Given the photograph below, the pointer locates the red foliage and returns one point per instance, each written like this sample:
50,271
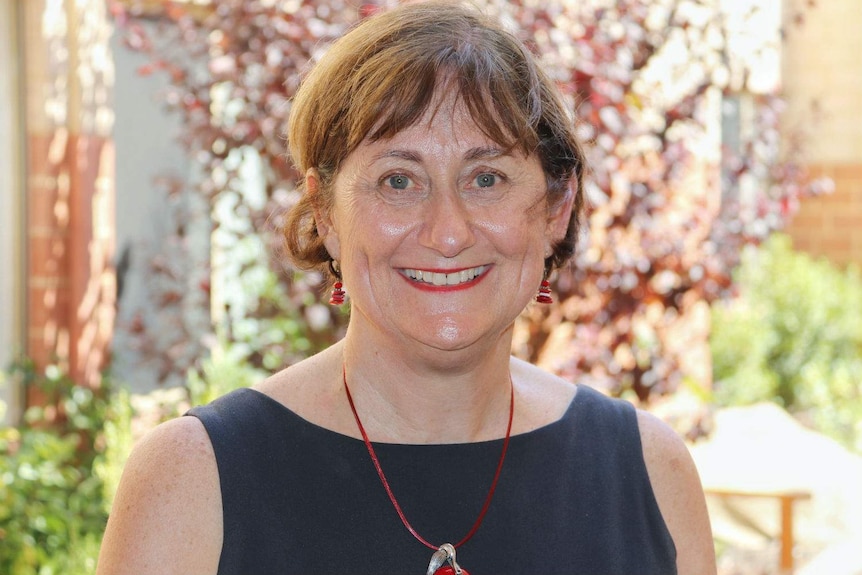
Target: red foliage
667,221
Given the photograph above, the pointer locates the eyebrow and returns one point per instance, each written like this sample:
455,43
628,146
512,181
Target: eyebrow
479,153
408,155
484,152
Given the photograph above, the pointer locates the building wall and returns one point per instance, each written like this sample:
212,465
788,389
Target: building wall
94,139
59,210
69,186
822,77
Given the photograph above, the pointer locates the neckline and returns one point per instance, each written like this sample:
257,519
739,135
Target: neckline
574,404
447,549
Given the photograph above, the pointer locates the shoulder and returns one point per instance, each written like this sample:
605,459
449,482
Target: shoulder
169,495
678,492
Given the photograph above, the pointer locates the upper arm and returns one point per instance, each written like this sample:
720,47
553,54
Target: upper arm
678,491
167,514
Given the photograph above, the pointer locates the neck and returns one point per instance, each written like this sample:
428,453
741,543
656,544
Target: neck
431,396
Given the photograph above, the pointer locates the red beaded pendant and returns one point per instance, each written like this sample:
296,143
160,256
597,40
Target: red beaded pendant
448,570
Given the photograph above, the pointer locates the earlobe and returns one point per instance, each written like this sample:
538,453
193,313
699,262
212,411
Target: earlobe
322,219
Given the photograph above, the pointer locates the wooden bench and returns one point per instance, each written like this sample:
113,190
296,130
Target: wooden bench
786,501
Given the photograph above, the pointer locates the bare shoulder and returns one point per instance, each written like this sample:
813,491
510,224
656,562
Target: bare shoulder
166,516
678,490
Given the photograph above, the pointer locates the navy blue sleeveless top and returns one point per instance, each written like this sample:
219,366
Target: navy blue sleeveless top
573,497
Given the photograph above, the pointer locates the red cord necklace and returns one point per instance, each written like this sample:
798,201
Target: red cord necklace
444,553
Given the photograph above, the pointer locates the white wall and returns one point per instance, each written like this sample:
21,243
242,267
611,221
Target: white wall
11,204
145,139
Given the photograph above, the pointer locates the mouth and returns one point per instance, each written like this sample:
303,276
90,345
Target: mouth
443,279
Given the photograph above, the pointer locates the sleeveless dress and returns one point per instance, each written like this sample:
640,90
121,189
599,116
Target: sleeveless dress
573,497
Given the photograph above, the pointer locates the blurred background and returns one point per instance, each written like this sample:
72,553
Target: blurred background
143,176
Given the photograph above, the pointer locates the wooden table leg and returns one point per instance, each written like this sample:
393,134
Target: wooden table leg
786,534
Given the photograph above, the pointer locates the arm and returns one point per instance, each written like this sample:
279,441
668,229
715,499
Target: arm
677,488
167,516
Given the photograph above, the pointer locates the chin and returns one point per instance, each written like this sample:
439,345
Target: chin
449,336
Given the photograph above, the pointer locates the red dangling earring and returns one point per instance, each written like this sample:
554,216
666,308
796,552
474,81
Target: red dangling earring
544,295
337,294
337,291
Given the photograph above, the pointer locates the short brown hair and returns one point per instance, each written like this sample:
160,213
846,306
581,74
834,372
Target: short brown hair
380,77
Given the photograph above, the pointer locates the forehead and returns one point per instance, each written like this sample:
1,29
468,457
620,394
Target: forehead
447,120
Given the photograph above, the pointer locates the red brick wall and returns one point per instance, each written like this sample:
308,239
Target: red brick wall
70,287
831,225
69,186
822,82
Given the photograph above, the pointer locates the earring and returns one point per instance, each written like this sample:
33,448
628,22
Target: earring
337,293
544,295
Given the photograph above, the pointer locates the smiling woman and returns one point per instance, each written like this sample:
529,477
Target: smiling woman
442,186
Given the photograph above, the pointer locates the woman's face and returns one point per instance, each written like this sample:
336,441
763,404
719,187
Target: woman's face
441,235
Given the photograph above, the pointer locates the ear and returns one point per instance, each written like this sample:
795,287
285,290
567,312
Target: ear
559,217
322,214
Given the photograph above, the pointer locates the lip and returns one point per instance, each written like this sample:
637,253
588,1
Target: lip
444,280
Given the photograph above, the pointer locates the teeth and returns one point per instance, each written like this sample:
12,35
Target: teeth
441,279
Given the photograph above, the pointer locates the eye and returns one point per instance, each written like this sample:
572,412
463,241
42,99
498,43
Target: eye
401,188
486,180
398,182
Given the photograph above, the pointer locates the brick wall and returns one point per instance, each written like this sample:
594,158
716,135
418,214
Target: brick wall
69,194
831,225
822,77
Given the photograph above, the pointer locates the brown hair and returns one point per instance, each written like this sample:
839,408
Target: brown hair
380,77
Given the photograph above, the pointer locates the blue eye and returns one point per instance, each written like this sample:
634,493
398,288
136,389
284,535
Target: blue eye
399,182
486,180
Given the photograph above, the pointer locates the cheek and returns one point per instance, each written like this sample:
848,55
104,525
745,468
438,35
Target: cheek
518,233
372,230
394,229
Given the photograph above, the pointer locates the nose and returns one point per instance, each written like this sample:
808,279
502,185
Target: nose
447,227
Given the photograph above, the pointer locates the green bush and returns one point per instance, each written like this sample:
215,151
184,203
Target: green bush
58,471
226,369
793,336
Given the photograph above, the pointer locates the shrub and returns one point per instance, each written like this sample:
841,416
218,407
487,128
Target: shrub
58,472
793,335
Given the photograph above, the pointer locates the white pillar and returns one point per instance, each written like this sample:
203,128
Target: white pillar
11,204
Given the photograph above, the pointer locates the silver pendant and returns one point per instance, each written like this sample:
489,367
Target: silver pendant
445,554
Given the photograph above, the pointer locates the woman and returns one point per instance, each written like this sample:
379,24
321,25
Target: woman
442,186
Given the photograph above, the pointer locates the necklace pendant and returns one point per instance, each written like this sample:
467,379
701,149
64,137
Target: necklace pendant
448,570
445,554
